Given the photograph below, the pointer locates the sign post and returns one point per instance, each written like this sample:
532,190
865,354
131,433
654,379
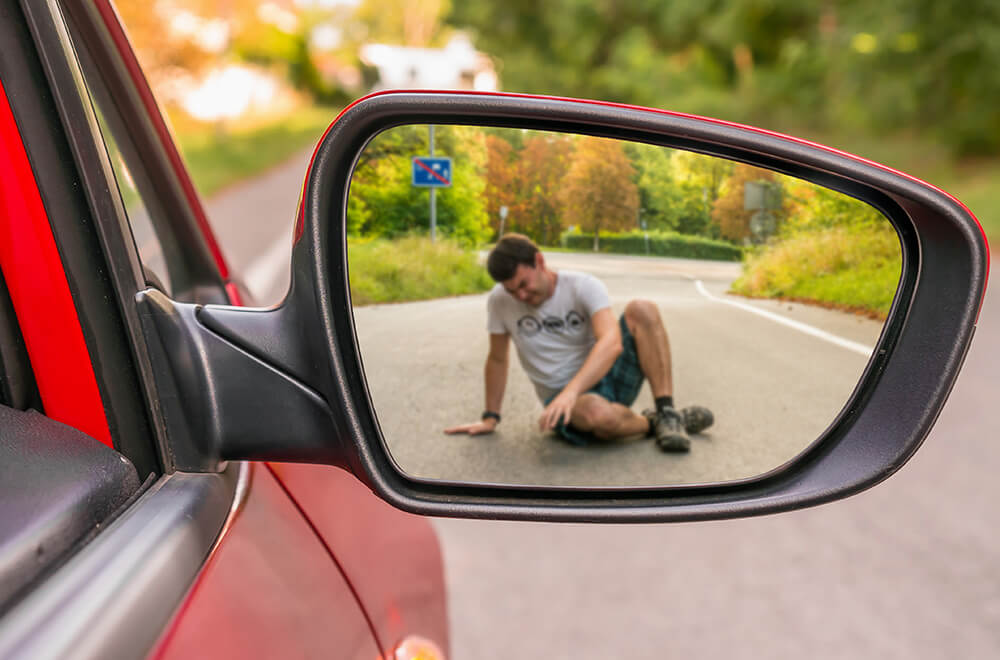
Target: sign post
433,173
763,197
434,208
503,220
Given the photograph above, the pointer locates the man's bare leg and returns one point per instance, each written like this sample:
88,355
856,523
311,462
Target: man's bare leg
653,349
652,345
606,420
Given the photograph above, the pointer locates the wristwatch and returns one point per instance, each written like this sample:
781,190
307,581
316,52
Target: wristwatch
489,414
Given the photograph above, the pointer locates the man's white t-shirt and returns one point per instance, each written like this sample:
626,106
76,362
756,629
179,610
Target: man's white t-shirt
553,339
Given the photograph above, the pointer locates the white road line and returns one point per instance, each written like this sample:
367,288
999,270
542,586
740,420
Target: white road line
262,272
797,325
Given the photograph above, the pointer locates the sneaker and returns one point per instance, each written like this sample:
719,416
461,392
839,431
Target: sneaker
668,429
696,419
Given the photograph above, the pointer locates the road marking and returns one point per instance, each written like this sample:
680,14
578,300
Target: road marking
260,275
797,325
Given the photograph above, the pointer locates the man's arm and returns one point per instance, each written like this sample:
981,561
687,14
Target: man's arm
495,372
605,351
495,377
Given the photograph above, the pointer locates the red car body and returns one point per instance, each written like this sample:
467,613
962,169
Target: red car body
308,562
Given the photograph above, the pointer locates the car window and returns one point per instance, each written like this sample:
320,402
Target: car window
159,253
147,243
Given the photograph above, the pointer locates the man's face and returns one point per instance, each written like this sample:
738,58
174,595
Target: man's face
529,285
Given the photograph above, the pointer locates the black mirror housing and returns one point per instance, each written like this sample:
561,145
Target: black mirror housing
287,383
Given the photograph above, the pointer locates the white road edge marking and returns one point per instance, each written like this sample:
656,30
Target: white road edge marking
798,325
260,275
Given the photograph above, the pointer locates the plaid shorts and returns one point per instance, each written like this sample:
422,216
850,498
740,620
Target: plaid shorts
620,385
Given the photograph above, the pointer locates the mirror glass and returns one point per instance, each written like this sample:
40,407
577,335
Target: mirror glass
738,305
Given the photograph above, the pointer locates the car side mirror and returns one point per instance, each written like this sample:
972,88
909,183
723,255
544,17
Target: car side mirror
290,383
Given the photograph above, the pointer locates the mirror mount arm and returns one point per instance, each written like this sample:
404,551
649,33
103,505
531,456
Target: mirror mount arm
219,402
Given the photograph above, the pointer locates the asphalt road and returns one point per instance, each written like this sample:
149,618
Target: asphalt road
908,569
773,388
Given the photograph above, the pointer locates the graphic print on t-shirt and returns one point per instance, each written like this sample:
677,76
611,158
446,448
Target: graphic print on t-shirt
575,320
554,338
529,326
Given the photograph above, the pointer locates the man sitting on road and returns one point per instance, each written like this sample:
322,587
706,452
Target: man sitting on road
586,368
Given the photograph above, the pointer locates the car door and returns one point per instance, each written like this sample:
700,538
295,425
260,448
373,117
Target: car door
391,559
136,557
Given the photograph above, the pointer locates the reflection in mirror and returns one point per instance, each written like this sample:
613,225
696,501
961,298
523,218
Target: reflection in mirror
694,319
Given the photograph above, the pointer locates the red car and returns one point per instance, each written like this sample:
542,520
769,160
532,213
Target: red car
201,481
265,559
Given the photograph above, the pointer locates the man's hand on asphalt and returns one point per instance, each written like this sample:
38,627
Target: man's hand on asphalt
559,409
478,428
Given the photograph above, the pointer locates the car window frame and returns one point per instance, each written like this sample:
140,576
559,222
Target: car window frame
94,27
144,562
117,591
57,135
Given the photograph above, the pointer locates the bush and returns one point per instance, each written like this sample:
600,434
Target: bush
661,244
855,268
412,268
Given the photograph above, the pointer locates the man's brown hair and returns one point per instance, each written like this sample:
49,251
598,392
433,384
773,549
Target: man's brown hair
511,250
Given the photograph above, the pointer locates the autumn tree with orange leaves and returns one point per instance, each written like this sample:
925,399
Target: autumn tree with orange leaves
543,163
501,181
598,192
526,179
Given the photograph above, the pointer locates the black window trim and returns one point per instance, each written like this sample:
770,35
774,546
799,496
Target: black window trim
40,88
50,23
117,593
94,169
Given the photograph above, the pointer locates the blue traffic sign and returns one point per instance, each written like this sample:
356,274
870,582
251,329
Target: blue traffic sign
430,172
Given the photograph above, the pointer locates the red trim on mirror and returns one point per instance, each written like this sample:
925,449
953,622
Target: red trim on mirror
43,303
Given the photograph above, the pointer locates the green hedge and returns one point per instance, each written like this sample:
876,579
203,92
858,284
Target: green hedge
661,244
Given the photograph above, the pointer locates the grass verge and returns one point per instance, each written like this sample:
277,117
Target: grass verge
218,155
414,268
857,270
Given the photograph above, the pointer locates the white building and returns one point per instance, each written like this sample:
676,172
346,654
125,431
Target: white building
456,66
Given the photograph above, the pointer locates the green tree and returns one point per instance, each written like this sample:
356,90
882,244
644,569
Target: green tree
383,202
676,188
898,65
658,195
700,179
810,208
643,51
925,64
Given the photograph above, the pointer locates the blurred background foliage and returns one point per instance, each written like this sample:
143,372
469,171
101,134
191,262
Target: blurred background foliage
798,240
549,185
923,65
910,83
384,203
